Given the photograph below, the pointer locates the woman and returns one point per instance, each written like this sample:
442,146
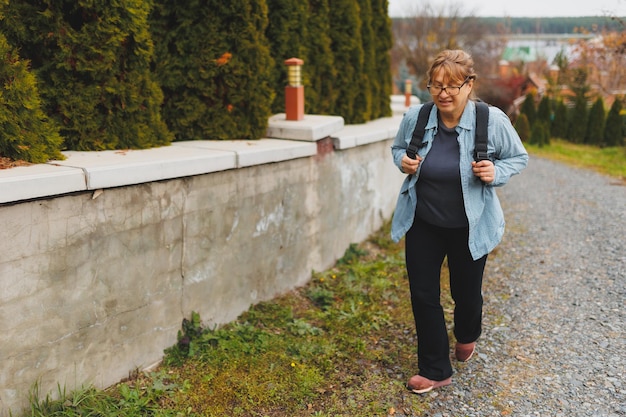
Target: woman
448,207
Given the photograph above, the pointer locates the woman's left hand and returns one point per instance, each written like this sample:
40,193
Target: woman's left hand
485,170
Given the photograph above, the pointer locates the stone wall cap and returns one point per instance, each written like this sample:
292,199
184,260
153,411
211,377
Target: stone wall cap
39,180
312,128
362,134
105,169
256,152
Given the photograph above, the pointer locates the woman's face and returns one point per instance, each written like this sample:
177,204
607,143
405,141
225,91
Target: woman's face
450,104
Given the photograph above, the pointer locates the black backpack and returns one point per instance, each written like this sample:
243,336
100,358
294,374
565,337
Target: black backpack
480,139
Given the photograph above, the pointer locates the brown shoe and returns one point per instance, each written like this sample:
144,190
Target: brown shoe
464,351
420,385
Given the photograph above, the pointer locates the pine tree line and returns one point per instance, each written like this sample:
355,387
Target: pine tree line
580,123
566,25
84,75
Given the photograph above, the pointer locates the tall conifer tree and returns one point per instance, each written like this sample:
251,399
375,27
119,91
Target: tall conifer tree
578,121
558,128
321,92
93,63
544,112
213,62
595,124
381,83
523,127
25,131
366,80
287,34
347,47
613,131
529,109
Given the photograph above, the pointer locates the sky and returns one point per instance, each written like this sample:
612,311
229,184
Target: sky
519,8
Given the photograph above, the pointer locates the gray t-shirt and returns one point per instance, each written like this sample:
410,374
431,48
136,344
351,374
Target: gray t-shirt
439,194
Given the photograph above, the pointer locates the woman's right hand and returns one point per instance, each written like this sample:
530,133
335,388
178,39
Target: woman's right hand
409,166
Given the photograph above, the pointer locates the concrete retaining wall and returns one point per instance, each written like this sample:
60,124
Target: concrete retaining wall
105,252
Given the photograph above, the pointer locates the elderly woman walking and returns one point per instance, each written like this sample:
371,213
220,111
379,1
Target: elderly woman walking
448,207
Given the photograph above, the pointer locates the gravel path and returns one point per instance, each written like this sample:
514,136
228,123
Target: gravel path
554,340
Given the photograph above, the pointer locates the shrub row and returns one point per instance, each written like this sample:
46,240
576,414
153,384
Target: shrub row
578,123
85,75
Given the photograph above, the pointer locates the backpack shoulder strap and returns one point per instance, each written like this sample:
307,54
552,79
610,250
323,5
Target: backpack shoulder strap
420,129
480,140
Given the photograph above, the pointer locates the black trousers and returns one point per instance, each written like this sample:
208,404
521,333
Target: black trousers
426,248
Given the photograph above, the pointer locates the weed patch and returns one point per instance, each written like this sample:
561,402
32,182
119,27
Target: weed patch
342,345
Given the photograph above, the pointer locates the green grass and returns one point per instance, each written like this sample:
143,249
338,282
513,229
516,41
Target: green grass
342,345
135,398
610,161
311,352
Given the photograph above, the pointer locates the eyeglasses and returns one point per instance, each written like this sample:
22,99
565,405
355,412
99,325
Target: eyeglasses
451,91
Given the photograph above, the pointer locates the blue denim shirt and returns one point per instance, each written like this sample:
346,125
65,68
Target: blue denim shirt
484,214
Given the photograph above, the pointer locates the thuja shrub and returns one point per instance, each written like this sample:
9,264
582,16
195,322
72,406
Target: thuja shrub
213,63
544,111
374,83
93,63
347,69
578,120
540,134
347,47
380,73
529,109
365,79
287,33
523,127
321,92
595,123
613,133
25,131
558,128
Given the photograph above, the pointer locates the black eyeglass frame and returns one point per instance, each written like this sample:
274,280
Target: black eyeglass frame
447,88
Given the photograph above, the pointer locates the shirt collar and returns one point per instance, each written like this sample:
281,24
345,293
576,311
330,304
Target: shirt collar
468,116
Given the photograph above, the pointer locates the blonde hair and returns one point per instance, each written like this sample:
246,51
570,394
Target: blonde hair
457,65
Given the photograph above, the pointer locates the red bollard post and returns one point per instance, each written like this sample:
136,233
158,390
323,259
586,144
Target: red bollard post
294,91
407,93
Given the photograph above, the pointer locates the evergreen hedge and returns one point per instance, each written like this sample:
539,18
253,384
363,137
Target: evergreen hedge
528,108
93,63
540,134
544,111
523,127
138,74
321,90
578,121
213,62
381,82
111,75
367,77
613,130
347,48
25,131
595,124
287,35
558,129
